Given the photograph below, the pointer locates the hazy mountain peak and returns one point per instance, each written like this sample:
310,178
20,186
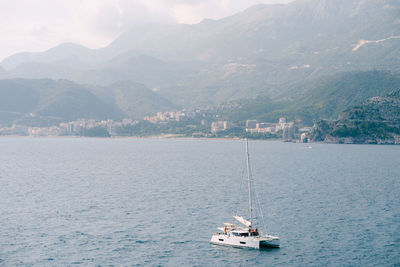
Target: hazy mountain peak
61,53
67,49
207,21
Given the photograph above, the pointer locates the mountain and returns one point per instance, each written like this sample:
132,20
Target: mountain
70,101
376,121
42,101
268,48
262,30
146,69
322,98
133,99
263,51
326,97
38,70
65,55
48,102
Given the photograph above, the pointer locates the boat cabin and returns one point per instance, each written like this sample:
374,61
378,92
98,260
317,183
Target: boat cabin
245,233
240,233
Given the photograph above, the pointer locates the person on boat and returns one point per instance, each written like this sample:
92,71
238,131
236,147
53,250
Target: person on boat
225,230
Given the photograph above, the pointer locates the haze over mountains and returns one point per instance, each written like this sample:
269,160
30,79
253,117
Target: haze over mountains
274,51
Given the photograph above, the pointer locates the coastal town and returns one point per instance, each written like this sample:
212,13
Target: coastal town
182,123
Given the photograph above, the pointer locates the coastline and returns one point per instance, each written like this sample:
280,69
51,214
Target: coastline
180,137
174,137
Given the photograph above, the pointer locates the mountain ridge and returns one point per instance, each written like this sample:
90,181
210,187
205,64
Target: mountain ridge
264,50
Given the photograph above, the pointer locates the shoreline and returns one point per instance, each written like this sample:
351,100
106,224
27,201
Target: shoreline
154,137
178,137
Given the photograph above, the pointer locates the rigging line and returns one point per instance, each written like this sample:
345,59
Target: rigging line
261,213
253,197
257,206
256,197
241,184
249,181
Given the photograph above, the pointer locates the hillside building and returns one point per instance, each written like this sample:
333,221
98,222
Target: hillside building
218,126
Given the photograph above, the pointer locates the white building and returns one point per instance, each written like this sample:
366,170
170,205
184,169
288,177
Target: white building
218,126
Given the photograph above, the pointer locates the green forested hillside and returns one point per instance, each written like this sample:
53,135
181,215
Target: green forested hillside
69,101
377,120
41,101
133,99
47,102
323,98
328,96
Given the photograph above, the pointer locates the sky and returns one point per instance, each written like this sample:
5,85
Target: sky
37,25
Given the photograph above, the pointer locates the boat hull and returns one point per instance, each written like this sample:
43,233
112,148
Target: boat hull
245,242
272,243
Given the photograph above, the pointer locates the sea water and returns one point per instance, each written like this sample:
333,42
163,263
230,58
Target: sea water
127,202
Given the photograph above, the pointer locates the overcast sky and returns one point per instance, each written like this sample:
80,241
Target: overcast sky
36,25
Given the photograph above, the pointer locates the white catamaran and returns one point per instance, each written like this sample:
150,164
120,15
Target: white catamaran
248,235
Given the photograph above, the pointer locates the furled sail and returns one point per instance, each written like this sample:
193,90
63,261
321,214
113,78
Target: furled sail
242,220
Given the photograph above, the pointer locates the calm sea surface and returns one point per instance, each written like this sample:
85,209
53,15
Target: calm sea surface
157,202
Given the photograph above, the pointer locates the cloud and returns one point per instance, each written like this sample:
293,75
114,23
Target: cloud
36,25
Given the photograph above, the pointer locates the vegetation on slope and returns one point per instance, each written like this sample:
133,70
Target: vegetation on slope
323,98
33,102
136,100
37,101
375,121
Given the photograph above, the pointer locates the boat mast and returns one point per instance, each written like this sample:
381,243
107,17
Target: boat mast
249,182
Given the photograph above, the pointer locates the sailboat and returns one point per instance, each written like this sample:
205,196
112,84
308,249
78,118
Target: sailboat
247,234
